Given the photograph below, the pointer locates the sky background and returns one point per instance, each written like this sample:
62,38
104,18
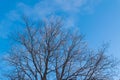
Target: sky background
99,20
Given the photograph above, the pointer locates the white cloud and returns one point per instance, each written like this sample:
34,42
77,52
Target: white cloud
69,9
47,7
71,5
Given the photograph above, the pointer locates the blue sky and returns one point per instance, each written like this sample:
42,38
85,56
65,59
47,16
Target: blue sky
99,20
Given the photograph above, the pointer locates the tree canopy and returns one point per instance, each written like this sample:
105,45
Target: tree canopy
49,51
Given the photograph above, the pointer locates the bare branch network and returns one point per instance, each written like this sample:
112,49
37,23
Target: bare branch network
50,52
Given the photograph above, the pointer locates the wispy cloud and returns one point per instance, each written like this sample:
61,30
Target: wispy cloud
69,9
46,7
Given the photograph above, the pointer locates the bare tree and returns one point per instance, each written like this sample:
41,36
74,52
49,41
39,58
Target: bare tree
49,52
